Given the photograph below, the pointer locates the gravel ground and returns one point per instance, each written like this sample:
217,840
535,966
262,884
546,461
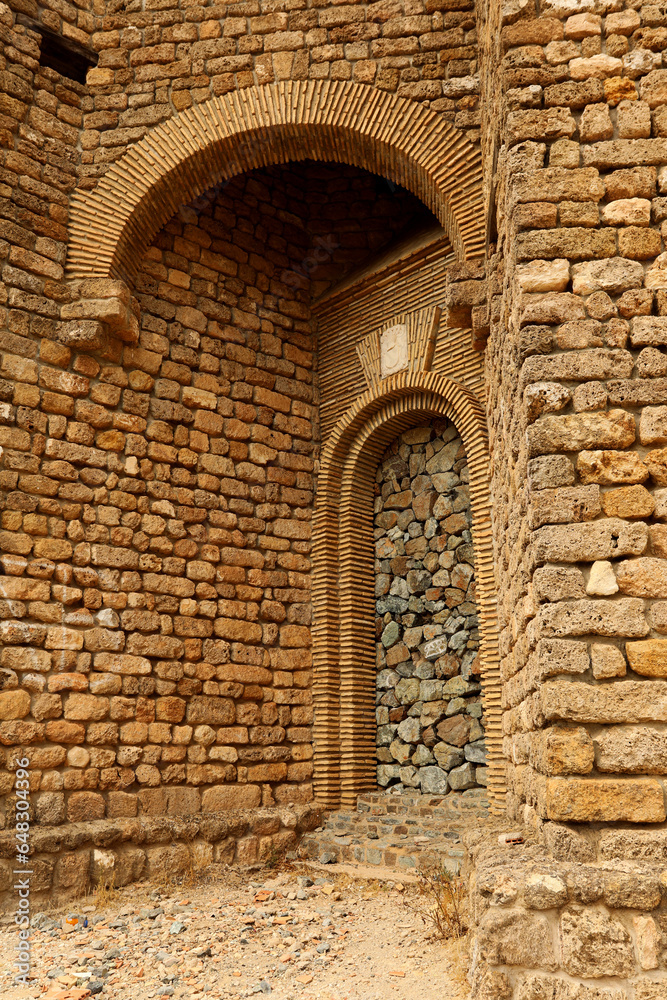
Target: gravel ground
296,933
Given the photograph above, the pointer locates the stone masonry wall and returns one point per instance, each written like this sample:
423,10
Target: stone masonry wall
576,399
578,918
156,509
153,63
430,734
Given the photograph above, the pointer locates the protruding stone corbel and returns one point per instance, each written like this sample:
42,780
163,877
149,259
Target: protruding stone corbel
100,309
466,300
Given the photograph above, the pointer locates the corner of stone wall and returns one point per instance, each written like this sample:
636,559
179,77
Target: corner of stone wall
568,914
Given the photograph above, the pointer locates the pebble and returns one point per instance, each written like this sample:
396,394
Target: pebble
240,939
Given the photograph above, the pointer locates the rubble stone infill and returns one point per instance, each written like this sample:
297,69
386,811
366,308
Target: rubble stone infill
430,729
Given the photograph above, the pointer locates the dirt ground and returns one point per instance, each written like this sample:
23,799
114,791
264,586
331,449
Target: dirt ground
299,933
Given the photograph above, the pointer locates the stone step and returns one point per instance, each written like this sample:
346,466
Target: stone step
388,852
398,831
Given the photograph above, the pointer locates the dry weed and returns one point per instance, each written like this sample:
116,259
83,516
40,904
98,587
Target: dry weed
440,900
106,893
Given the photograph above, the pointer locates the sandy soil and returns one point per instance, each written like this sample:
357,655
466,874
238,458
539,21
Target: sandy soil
239,934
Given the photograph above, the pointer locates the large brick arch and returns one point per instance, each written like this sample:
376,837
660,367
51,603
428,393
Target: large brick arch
343,562
111,226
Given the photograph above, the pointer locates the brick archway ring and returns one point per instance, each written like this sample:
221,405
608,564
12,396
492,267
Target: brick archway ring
343,589
334,121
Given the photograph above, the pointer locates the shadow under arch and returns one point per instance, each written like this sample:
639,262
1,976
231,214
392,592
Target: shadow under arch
343,579
334,121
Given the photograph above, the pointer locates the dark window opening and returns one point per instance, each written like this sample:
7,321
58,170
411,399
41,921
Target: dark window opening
63,55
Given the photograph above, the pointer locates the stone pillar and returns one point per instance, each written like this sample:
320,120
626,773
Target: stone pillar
576,147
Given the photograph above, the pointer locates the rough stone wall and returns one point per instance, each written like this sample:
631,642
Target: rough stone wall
156,511
155,63
430,734
571,920
575,382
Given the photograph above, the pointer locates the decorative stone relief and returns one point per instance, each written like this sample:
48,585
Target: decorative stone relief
394,355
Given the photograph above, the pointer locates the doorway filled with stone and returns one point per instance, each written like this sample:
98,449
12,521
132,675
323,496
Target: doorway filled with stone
430,724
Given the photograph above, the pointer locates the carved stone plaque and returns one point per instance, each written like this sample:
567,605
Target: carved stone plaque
394,355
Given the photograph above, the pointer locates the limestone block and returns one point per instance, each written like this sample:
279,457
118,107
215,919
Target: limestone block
657,616
628,502
539,987
648,940
542,891
545,397
601,579
558,750
627,212
643,577
607,661
634,120
589,395
557,583
210,710
564,505
648,658
50,808
596,123
596,800
72,871
221,798
14,704
552,123
649,331
561,656
433,781
597,363
561,183
544,275
490,984
631,750
610,467
622,22
656,274
598,67
574,432
653,425
514,937
653,88
85,806
658,536
620,702
603,539
548,471
656,463
595,944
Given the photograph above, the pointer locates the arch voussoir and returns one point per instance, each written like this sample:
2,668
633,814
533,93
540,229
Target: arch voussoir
111,226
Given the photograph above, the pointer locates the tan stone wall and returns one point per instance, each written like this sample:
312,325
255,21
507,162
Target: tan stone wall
574,376
152,64
156,515
568,919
